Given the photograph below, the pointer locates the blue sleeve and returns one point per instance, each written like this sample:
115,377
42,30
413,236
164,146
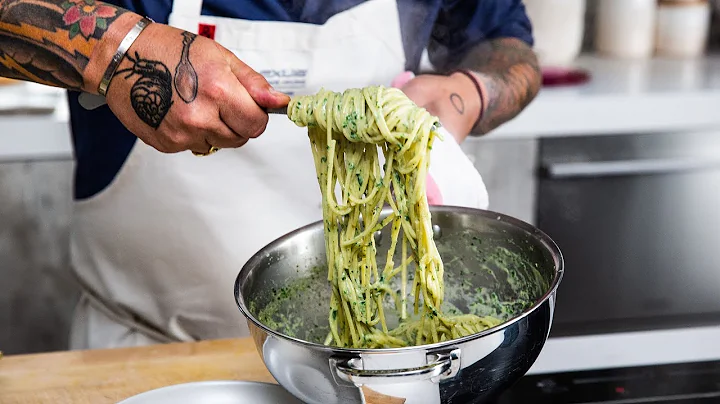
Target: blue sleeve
463,24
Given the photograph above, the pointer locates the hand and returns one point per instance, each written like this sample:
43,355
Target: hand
453,99
177,91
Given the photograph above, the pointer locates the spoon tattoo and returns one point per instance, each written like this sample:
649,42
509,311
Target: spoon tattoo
186,80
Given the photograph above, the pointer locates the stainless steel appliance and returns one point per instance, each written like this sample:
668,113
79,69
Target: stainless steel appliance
684,383
636,218
638,316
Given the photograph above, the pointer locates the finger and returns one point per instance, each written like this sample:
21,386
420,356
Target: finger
204,148
225,138
209,144
240,113
259,89
199,143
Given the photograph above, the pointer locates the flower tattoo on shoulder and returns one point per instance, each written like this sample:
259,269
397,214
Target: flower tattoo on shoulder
85,16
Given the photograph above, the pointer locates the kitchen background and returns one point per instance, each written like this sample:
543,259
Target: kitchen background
574,151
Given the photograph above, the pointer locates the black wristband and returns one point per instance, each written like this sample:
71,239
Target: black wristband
481,92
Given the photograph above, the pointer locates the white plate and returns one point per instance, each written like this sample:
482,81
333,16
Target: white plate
215,392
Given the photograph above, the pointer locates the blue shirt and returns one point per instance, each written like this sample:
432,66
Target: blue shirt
448,28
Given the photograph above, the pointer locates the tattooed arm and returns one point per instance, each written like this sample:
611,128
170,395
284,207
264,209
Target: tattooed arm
52,41
173,90
509,71
493,39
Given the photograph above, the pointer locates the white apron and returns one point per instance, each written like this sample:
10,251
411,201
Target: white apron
158,250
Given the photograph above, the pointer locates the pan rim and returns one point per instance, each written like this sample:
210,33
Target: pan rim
542,237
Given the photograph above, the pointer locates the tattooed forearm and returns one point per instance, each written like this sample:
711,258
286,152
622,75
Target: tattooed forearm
510,72
151,95
186,80
50,41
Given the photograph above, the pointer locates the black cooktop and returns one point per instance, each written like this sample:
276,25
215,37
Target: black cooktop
686,383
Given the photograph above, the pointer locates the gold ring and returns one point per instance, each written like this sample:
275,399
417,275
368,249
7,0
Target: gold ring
212,150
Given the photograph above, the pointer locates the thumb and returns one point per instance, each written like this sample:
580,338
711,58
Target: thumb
259,89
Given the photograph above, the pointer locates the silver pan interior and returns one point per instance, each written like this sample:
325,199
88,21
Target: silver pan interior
494,265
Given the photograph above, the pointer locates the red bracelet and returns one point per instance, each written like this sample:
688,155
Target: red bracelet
481,92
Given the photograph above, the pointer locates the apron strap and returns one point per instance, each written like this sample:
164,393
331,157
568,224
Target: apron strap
124,317
187,8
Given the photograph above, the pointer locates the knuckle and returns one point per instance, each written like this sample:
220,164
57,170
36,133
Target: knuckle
221,136
239,141
215,90
259,126
236,142
223,133
195,120
258,81
173,137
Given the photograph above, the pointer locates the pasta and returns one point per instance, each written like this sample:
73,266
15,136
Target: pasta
348,132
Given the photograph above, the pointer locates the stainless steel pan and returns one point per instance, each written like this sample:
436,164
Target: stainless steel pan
494,264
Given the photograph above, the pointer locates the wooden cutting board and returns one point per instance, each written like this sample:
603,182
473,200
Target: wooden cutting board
4,81
108,376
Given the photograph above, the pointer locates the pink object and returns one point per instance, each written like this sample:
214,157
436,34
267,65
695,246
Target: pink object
434,196
433,191
400,80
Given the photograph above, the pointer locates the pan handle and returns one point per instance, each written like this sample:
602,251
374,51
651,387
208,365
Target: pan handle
440,366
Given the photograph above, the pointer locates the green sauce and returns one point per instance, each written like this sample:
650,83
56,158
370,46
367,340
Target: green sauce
485,275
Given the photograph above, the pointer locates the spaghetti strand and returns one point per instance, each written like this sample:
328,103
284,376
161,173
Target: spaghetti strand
350,132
